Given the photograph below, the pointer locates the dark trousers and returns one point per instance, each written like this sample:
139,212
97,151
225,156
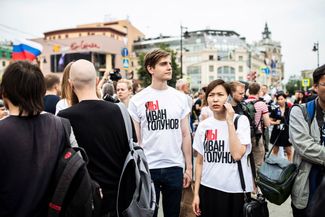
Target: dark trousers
168,181
298,212
221,204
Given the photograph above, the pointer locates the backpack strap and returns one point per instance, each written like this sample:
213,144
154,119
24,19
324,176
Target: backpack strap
73,165
127,122
67,131
65,180
252,163
308,110
310,107
240,169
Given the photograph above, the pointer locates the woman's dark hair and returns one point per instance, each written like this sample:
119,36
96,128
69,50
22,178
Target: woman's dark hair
24,85
215,83
280,93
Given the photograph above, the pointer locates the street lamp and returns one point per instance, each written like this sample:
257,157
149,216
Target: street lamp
316,48
181,57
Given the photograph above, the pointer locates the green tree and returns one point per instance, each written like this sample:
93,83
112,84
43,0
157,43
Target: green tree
145,78
293,85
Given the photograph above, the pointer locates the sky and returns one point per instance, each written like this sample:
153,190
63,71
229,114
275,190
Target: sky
296,24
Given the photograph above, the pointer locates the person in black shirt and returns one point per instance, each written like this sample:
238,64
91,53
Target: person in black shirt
53,90
30,143
99,128
237,95
280,121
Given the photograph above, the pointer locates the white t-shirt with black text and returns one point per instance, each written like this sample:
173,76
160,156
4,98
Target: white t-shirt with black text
159,113
220,170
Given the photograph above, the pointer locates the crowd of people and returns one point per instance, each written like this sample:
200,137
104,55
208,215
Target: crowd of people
187,139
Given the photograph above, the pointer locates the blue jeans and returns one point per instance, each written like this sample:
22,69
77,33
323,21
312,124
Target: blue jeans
168,181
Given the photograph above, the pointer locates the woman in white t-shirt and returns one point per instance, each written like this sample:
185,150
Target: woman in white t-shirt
218,190
205,112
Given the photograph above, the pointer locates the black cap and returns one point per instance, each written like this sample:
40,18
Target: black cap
317,74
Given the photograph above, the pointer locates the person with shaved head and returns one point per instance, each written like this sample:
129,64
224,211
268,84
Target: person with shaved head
99,129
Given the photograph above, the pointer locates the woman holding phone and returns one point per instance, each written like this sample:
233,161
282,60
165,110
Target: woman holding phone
218,191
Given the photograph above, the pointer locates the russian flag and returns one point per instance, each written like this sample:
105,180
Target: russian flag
26,50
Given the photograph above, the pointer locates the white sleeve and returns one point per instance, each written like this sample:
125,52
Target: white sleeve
204,111
59,106
132,108
243,132
186,108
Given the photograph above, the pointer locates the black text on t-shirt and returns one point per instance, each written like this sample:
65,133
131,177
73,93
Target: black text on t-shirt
214,149
157,118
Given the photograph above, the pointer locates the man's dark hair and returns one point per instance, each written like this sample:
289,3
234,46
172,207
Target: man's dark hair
254,88
23,84
51,80
215,83
153,57
318,73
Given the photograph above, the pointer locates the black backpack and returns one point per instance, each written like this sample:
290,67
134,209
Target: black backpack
74,193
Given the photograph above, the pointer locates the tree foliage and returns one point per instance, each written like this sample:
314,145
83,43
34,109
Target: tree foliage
145,78
293,85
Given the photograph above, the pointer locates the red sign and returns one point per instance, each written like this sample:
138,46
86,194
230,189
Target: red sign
83,45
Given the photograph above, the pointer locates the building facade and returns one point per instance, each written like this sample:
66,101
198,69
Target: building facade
211,54
100,43
5,55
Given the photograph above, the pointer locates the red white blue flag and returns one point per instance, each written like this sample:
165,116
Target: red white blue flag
26,50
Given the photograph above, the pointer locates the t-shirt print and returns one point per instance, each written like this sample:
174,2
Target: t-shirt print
219,169
157,117
214,149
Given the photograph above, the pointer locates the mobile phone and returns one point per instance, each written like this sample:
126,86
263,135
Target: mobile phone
229,98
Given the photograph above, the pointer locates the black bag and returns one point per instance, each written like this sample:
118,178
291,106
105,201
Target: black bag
256,207
75,194
252,207
276,177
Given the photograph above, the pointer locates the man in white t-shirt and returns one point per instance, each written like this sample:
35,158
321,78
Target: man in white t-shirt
160,115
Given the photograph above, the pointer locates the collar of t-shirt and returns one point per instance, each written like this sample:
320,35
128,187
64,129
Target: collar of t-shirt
252,97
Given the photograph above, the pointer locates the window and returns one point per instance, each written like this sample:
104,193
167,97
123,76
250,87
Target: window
66,36
227,73
59,37
211,78
210,57
3,63
240,58
80,34
240,69
211,68
194,72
